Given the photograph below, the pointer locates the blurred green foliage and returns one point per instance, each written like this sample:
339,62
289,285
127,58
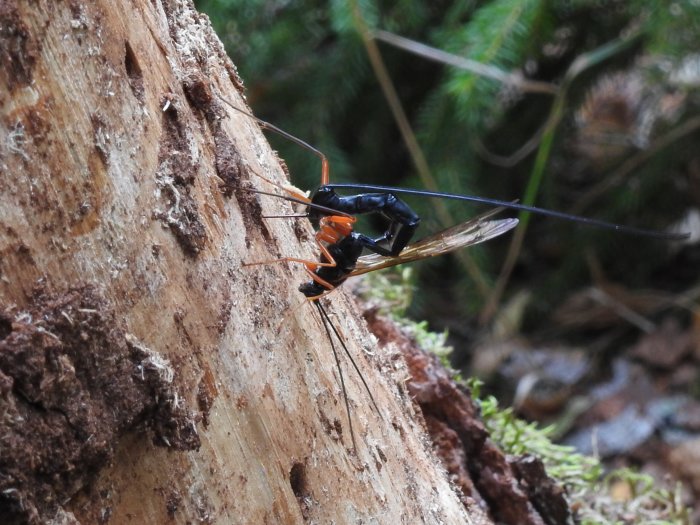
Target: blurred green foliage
306,70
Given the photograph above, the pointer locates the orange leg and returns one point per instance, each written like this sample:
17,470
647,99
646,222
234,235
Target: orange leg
309,264
327,234
319,280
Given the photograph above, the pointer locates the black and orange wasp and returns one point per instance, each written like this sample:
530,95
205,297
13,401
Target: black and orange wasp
342,248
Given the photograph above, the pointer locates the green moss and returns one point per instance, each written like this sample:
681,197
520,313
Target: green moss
620,497
623,496
516,436
391,292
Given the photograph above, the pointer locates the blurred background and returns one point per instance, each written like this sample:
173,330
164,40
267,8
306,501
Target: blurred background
579,106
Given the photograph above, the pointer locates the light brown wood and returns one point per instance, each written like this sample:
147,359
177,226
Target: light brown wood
96,128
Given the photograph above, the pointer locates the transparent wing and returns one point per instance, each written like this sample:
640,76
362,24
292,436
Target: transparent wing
474,231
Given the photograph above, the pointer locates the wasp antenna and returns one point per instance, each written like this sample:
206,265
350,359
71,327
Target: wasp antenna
325,166
630,230
294,216
329,211
326,321
347,352
291,197
289,189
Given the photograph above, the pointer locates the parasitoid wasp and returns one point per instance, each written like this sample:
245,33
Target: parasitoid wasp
342,248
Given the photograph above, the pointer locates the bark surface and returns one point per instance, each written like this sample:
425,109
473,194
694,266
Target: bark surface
146,374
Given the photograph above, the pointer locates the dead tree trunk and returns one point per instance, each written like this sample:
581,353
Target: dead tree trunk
146,375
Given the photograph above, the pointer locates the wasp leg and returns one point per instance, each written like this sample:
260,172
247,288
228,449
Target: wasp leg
329,260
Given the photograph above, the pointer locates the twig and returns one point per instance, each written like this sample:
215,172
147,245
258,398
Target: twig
478,68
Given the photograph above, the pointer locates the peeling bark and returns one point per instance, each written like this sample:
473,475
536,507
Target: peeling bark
512,490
